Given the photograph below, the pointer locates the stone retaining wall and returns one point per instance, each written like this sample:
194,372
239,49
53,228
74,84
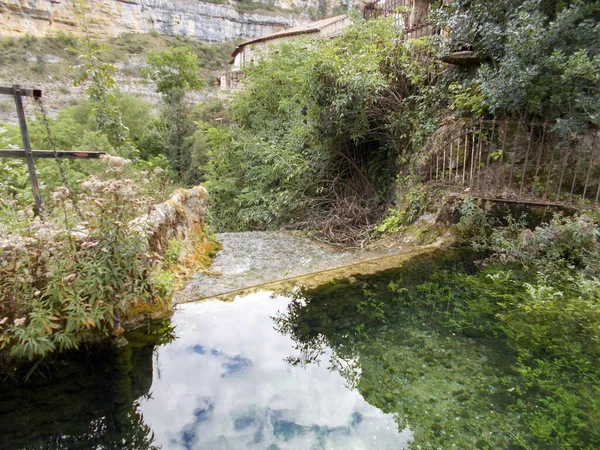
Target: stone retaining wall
180,217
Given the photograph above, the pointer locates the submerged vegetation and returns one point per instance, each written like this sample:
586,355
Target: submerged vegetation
333,137
531,302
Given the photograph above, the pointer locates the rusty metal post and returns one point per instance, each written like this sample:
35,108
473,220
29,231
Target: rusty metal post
514,153
590,166
575,169
444,166
480,151
564,168
27,147
539,158
457,175
473,155
490,146
549,176
524,174
450,164
465,156
430,169
501,162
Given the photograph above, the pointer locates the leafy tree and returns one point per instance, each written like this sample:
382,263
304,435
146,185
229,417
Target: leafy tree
97,73
174,69
542,58
321,127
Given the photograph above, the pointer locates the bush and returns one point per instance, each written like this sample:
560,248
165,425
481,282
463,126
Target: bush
321,130
70,279
541,57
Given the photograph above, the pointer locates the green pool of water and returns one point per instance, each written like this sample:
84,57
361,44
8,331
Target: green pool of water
340,367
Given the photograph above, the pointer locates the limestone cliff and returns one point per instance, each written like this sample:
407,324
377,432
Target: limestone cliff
207,22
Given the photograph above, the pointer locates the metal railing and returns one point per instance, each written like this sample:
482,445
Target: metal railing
403,14
516,160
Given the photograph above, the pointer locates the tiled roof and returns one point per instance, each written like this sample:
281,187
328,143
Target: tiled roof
307,28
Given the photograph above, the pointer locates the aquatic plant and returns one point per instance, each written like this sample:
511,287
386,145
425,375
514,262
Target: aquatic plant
536,310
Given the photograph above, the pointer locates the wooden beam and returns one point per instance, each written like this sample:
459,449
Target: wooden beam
36,93
11,153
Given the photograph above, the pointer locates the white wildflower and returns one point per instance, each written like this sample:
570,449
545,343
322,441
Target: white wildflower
69,278
60,194
92,184
115,162
90,244
19,322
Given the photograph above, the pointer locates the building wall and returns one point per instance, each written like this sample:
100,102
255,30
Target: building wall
251,53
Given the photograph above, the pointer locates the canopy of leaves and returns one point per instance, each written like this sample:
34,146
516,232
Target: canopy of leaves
321,124
542,58
175,68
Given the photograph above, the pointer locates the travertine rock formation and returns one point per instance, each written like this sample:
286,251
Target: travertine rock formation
207,22
180,217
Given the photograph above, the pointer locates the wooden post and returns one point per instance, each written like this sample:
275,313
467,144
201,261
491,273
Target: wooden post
29,154
27,147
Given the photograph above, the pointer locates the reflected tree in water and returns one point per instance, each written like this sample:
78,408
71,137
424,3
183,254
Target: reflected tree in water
89,401
447,388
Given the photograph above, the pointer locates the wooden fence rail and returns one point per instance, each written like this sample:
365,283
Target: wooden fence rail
516,160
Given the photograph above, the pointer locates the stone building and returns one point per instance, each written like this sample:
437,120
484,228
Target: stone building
250,51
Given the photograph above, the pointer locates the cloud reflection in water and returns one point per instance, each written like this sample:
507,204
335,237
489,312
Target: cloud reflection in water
224,384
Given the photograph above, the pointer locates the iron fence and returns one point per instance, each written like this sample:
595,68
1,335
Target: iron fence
516,160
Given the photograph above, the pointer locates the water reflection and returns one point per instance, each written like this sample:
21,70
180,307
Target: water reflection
451,390
225,384
89,402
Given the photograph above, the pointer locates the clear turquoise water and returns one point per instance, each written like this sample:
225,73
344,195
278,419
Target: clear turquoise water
223,384
333,368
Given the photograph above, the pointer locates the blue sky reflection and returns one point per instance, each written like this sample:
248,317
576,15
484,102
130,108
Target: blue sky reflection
224,384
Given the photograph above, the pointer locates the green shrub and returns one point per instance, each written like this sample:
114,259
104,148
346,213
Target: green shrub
173,251
68,280
474,222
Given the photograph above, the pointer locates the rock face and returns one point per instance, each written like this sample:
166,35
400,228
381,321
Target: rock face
207,22
180,217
